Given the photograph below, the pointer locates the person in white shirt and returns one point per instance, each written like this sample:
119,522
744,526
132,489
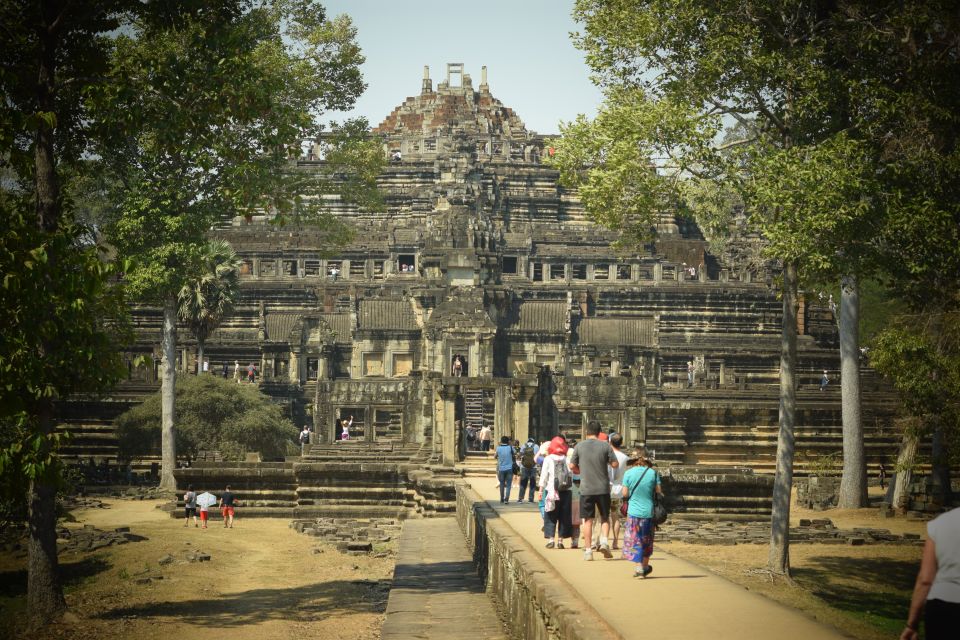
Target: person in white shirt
616,485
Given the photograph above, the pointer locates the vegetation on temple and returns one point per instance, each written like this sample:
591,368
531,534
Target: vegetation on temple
213,414
794,111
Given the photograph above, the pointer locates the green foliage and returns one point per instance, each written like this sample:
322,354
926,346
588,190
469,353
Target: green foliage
197,122
206,300
212,414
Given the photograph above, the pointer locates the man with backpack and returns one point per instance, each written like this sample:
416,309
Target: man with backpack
505,462
528,468
590,459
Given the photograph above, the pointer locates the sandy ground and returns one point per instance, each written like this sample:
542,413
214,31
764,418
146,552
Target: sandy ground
263,581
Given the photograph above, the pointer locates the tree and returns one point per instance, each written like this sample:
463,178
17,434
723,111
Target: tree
208,298
56,294
213,414
774,77
206,103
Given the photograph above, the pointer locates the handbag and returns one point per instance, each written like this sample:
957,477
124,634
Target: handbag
660,512
624,503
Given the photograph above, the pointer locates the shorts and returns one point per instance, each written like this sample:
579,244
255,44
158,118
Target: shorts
204,514
590,503
189,511
226,511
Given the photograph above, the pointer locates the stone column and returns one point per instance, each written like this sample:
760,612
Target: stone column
293,370
522,395
448,394
324,371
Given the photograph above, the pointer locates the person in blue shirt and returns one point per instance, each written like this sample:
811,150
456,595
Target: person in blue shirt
505,461
640,482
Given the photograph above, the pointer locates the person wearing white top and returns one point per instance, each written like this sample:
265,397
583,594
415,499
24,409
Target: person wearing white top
937,590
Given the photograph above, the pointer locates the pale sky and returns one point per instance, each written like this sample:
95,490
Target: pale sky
532,65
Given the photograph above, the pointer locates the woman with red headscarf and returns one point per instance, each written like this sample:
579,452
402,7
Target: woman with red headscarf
556,482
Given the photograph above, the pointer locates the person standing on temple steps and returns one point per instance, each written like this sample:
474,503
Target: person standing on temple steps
824,381
486,435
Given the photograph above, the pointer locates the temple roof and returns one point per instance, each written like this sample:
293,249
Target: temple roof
614,332
541,317
387,314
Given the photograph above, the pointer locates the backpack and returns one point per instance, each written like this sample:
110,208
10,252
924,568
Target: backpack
562,478
304,436
528,457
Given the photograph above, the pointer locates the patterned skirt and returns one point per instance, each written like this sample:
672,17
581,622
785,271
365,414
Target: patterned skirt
638,538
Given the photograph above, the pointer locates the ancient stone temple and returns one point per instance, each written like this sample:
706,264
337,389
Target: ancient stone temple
484,295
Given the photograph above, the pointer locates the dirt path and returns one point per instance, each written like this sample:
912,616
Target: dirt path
263,580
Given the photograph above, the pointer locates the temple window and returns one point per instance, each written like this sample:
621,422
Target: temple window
289,267
578,271
510,264
402,364
601,272
623,272
311,267
378,269
268,267
358,269
246,267
406,263
557,272
372,364
538,272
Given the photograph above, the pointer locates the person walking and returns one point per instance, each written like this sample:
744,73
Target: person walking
556,482
824,381
528,469
237,375
486,435
590,460
936,594
505,462
616,486
190,507
304,438
227,504
640,482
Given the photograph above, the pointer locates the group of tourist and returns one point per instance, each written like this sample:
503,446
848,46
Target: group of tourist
194,504
591,488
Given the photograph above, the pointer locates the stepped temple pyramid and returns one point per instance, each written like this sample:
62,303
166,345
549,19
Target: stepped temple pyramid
484,295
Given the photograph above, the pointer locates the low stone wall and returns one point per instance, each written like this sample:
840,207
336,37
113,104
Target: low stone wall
535,600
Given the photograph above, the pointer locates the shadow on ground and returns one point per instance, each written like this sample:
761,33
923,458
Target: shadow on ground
839,582
308,603
14,583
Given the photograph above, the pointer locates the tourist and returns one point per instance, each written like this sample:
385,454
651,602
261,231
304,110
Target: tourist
556,483
882,473
304,437
345,428
590,459
227,504
639,485
691,371
528,469
936,594
457,366
190,507
616,485
225,372
824,381
204,514
251,372
505,461
236,371
486,435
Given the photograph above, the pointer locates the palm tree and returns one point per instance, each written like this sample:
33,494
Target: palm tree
208,298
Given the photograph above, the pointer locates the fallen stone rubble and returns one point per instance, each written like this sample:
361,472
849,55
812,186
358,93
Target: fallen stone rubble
89,538
809,531
354,536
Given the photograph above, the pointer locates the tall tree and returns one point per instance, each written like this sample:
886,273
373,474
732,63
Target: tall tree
55,293
677,74
209,103
209,297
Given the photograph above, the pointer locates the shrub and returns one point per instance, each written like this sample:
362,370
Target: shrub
212,414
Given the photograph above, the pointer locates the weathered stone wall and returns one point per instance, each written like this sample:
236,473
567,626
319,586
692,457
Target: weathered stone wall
535,600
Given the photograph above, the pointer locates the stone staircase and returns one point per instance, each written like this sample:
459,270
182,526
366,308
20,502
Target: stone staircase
473,407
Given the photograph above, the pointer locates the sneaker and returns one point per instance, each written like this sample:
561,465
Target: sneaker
588,554
560,545
647,570
605,549
551,545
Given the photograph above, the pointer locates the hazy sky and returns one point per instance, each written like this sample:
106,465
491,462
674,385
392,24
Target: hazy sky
532,66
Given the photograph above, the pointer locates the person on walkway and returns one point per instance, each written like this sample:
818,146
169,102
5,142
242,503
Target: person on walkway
190,507
505,462
528,469
486,435
640,482
590,460
227,504
556,483
204,515
616,485
824,381
936,594
236,371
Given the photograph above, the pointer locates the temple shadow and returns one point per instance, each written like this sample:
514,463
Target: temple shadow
309,603
436,577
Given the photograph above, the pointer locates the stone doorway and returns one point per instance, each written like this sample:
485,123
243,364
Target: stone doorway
357,429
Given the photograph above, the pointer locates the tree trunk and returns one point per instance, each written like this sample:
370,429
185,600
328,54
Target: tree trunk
168,381
199,357
904,469
853,484
45,602
778,560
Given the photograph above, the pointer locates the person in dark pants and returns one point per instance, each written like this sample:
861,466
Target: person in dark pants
528,468
936,594
557,494
505,462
